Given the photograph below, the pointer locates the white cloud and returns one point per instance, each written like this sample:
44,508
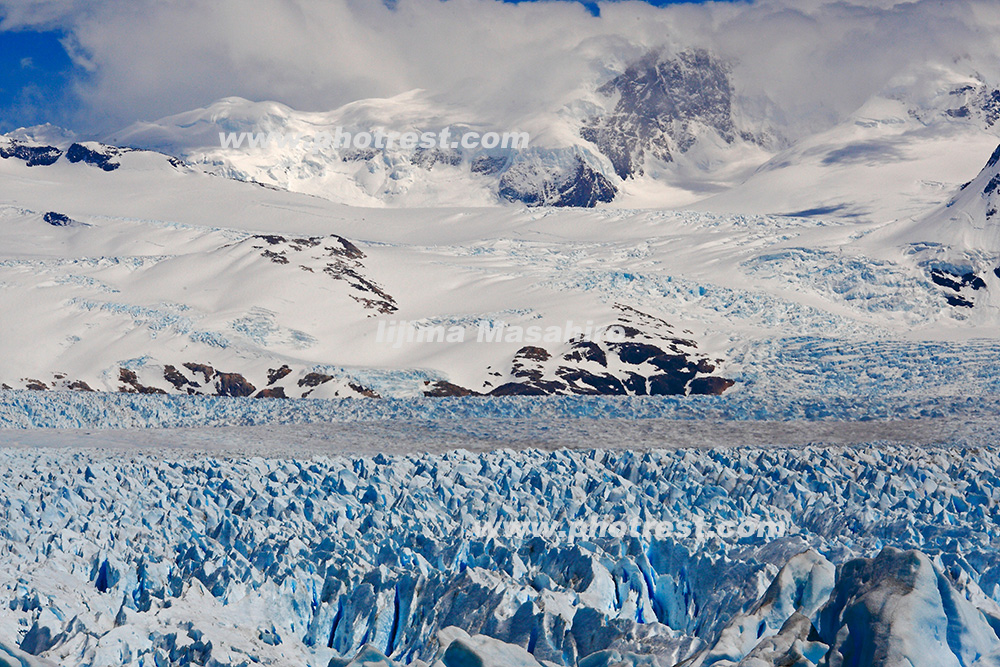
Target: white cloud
814,59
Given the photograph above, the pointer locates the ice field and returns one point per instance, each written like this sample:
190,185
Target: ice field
120,556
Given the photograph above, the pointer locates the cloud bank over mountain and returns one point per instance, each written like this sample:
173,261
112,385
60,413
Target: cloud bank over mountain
804,64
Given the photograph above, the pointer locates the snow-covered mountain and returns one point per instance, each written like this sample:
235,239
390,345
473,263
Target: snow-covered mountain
553,173
664,118
957,244
662,108
174,281
136,272
898,156
663,129
968,222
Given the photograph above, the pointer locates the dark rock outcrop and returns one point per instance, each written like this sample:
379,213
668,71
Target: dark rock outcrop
961,285
207,371
131,385
427,158
333,255
489,165
276,374
710,386
535,185
668,385
957,282
178,379
33,156
364,391
59,219
442,389
527,389
233,384
314,379
102,156
657,363
184,379
648,360
662,104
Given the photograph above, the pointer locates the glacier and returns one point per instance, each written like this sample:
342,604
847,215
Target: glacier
853,322
119,557
78,410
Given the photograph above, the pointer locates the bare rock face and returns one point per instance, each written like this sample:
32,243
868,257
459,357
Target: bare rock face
429,157
96,154
207,371
33,156
362,390
525,389
275,374
955,244
979,101
443,389
538,183
59,220
130,383
644,358
177,379
710,386
201,379
648,360
314,379
233,384
663,104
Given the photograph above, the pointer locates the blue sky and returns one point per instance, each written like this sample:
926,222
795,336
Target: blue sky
35,78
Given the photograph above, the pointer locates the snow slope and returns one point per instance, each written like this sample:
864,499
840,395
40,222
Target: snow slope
130,271
957,243
898,156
